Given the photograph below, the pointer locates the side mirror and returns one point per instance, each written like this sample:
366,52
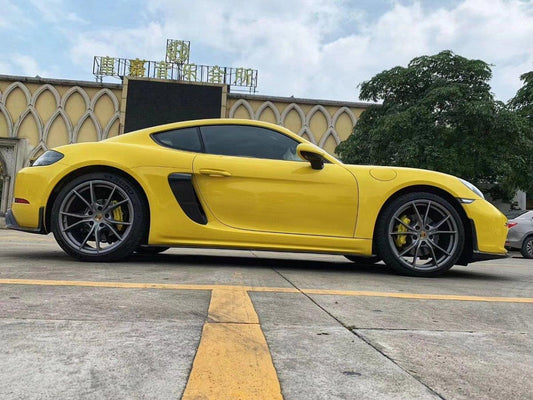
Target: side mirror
312,154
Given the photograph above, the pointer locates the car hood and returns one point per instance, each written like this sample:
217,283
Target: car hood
383,173
399,177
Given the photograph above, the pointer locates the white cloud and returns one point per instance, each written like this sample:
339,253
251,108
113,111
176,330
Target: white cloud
146,43
11,16
498,32
55,11
20,64
322,48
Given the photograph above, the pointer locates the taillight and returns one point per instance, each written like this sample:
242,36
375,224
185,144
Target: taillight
511,224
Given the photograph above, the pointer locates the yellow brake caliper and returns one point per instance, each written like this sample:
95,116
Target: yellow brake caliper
118,215
401,240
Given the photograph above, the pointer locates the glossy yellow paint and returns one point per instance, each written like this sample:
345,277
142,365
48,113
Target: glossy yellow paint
295,204
254,203
35,186
488,220
490,224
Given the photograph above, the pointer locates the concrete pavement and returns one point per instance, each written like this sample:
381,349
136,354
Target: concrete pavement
333,330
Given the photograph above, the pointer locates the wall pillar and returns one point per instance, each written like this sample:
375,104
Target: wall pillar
4,201
13,156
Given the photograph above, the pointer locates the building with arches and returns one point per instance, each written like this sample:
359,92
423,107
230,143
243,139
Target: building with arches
37,114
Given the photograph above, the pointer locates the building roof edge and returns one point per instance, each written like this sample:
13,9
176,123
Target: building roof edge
246,96
63,82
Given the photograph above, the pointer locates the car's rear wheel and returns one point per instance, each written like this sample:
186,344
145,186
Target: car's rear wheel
363,260
420,234
527,248
99,217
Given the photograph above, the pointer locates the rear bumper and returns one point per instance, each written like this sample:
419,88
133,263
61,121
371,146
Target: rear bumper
509,245
11,223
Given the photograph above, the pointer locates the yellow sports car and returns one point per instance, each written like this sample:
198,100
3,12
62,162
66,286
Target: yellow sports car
249,185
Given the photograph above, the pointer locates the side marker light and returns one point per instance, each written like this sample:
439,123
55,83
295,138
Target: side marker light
21,201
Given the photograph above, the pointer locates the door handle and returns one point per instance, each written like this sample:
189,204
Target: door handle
215,172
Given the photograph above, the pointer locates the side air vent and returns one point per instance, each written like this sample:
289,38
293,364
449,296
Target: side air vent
181,186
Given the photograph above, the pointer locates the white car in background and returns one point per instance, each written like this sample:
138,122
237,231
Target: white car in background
520,235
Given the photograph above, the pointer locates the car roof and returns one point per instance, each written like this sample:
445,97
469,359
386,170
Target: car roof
206,122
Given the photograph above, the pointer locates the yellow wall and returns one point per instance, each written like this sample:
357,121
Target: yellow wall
325,123
47,113
51,113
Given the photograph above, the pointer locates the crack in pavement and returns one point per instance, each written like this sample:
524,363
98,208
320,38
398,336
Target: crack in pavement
353,331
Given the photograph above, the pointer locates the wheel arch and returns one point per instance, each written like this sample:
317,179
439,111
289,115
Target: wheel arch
469,230
88,170
526,237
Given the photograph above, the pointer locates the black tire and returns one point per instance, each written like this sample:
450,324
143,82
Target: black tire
363,260
420,234
150,249
99,217
527,247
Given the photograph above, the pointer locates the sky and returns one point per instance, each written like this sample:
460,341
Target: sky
317,49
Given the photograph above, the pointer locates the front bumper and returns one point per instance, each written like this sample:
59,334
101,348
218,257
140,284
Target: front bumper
480,256
489,227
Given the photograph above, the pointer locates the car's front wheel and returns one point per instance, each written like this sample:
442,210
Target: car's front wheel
99,217
420,234
527,248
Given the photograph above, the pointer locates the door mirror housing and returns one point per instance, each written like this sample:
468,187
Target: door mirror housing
311,153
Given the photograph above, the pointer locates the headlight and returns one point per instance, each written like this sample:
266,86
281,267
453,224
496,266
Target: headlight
48,158
472,188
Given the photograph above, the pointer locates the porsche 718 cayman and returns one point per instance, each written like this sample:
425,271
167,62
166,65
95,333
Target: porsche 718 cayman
249,185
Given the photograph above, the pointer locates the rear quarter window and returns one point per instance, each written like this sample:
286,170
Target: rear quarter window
187,139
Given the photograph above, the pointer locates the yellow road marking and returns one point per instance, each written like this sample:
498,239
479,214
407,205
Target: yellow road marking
421,296
231,305
233,360
330,292
116,285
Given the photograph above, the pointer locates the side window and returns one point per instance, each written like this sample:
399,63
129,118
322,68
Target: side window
181,139
248,141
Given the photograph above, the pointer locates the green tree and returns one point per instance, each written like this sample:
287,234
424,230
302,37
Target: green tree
522,103
438,113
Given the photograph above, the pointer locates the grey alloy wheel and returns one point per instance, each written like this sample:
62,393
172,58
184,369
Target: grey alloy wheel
420,234
98,217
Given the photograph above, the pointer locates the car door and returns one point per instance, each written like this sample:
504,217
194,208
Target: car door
250,178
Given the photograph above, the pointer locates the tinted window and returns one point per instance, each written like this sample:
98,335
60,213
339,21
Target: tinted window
248,141
182,139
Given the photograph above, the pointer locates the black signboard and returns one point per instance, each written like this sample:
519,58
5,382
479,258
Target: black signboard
151,103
